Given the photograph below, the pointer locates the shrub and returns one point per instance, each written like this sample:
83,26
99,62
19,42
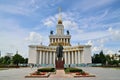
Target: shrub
46,70
73,70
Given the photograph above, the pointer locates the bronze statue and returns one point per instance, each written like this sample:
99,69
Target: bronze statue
51,32
67,32
59,51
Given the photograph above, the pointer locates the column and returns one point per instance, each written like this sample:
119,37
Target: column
50,57
37,57
68,40
40,58
78,57
64,40
55,39
53,57
82,57
46,57
75,57
68,57
51,40
43,57
65,57
58,39
72,58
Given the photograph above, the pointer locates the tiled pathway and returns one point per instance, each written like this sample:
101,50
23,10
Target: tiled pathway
60,74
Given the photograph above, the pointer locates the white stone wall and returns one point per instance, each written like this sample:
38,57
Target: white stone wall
87,54
32,55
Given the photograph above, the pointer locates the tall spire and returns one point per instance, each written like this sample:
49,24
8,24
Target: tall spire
60,16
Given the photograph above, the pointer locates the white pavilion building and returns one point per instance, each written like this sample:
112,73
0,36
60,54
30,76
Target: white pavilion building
41,54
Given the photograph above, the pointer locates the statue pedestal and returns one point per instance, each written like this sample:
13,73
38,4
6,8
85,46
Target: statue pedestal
59,64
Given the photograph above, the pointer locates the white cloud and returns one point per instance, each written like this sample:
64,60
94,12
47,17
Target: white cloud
13,9
110,52
70,24
89,43
34,38
91,4
23,7
96,49
12,36
115,34
48,23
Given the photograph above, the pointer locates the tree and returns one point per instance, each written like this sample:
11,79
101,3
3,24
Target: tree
99,58
102,58
17,58
6,60
1,60
26,60
96,58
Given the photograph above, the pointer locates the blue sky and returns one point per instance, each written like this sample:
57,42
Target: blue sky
93,22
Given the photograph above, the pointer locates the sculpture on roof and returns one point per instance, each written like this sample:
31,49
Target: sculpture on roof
51,32
68,32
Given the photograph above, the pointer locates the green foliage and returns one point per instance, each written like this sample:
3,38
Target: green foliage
26,60
104,59
5,60
114,62
46,70
99,58
18,59
72,70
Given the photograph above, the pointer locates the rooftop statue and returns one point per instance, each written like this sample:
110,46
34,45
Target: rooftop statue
67,32
51,32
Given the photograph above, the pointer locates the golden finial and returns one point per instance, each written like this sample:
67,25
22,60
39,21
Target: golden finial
60,16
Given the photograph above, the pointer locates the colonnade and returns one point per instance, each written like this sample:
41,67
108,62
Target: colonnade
45,57
70,57
65,40
73,57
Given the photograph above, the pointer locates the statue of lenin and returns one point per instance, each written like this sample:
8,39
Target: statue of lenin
59,51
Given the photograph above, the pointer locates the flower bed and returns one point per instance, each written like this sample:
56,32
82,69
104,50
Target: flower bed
78,72
41,73
38,73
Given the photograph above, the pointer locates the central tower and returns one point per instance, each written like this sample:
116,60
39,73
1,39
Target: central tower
60,37
60,27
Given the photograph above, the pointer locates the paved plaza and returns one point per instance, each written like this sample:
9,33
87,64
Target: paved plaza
101,74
